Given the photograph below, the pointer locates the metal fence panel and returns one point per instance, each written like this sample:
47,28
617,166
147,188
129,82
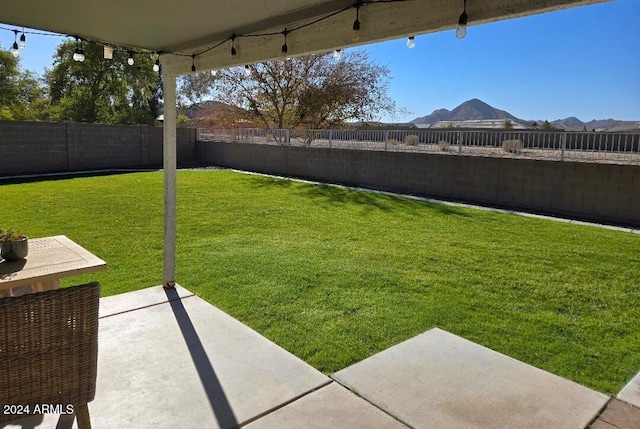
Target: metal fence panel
621,148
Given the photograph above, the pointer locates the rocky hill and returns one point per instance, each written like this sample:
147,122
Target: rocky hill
469,110
479,110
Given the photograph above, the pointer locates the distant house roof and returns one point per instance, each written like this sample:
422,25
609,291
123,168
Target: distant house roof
480,123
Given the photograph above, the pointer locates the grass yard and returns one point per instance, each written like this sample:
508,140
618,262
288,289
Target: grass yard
335,275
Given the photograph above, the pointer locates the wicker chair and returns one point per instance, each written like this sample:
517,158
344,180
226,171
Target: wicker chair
49,350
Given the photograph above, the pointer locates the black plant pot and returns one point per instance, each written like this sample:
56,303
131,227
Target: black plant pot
15,250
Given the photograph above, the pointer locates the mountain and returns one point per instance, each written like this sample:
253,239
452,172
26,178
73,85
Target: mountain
571,121
477,109
469,110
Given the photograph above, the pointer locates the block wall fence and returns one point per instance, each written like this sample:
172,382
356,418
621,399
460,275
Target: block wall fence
51,147
607,193
598,192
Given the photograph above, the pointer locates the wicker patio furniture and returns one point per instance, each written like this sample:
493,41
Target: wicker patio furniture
49,352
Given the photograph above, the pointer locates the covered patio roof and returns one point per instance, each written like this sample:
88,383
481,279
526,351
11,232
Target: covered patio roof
191,26
200,33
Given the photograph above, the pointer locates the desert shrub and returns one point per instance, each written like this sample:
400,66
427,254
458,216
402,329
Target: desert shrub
392,142
411,140
512,146
269,137
444,145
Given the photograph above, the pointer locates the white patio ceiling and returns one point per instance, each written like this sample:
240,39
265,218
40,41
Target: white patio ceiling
192,26
189,26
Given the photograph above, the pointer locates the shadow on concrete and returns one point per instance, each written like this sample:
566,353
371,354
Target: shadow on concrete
31,422
214,391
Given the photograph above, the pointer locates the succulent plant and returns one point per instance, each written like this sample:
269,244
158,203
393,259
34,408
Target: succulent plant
10,235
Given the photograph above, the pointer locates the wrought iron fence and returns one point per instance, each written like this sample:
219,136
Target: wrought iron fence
620,148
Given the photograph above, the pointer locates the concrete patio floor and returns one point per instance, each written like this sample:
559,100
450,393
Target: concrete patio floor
169,359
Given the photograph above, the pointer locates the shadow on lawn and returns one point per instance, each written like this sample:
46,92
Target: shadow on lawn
337,196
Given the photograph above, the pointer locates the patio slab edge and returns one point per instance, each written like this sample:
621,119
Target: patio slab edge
631,392
448,381
130,301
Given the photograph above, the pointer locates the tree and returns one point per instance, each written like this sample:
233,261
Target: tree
22,96
101,90
314,91
8,88
546,125
507,125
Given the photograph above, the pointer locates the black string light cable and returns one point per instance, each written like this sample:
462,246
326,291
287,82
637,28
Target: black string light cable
156,67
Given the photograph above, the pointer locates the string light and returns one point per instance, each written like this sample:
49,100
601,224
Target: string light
461,30
78,53
156,65
247,71
108,51
214,73
356,23
14,49
285,48
233,45
336,54
193,62
411,42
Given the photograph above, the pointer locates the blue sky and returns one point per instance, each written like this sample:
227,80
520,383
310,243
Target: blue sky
582,62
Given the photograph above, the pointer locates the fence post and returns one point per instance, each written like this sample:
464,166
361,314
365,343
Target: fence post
563,145
459,142
386,139
330,138
287,136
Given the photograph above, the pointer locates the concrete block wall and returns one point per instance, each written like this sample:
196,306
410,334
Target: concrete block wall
598,192
45,147
20,147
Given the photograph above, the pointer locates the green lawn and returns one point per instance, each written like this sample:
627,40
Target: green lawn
335,275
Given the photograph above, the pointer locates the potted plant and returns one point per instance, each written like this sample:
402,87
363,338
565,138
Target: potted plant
13,245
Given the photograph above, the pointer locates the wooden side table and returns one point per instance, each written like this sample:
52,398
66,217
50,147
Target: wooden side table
49,260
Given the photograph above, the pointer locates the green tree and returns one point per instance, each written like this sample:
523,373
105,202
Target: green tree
314,91
101,90
507,125
32,100
22,95
9,74
546,125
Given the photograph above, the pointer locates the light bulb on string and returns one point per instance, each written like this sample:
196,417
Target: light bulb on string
214,72
14,48
78,52
156,65
193,62
336,54
285,48
247,71
356,23
461,30
411,42
23,40
233,45
130,60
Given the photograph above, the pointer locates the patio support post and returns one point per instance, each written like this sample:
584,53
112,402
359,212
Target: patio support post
169,168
